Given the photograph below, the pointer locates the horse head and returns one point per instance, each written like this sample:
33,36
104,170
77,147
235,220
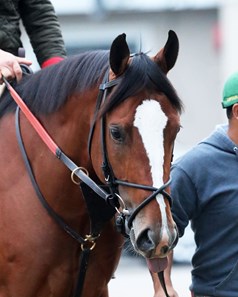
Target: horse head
138,119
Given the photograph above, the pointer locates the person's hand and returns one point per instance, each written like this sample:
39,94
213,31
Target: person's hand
172,292
10,66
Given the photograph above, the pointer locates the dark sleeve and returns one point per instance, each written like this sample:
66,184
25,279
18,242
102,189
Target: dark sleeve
184,197
43,29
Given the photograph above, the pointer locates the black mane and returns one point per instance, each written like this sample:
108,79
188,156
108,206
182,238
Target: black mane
46,90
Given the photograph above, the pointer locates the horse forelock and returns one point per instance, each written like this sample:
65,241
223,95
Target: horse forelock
48,89
142,74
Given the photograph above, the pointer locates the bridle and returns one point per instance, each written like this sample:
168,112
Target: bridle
111,196
125,218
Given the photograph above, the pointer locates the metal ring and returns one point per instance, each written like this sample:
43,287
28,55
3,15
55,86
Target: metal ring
122,205
84,246
89,239
73,173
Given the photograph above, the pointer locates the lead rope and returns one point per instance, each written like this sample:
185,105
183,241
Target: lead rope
162,282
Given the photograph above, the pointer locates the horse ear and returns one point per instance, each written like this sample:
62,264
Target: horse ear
119,55
167,56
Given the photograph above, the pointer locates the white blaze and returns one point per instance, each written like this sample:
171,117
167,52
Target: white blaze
151,121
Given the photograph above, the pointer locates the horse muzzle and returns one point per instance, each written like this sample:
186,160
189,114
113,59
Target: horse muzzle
154,243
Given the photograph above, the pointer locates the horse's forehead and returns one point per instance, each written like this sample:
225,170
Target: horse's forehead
127,109
159,115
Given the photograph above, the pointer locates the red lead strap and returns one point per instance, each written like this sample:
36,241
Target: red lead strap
31,118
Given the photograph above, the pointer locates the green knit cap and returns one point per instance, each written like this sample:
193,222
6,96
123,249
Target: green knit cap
230,91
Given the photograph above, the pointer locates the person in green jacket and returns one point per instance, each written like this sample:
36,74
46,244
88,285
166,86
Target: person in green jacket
41,24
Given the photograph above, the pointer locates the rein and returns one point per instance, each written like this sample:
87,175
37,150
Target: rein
82,241
125,218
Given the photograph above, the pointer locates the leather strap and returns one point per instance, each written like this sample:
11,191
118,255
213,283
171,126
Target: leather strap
84,257
162,282
42,199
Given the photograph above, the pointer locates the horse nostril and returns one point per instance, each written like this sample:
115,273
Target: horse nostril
164,250
144,241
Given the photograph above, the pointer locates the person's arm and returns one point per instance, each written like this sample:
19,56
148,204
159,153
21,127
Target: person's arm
158,290
10,66
184,205
43,28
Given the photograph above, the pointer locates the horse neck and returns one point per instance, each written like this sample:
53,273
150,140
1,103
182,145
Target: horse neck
69,128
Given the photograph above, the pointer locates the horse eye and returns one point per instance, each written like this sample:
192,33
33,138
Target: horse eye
116,134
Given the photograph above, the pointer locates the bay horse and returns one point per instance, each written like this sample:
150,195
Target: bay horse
115,116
